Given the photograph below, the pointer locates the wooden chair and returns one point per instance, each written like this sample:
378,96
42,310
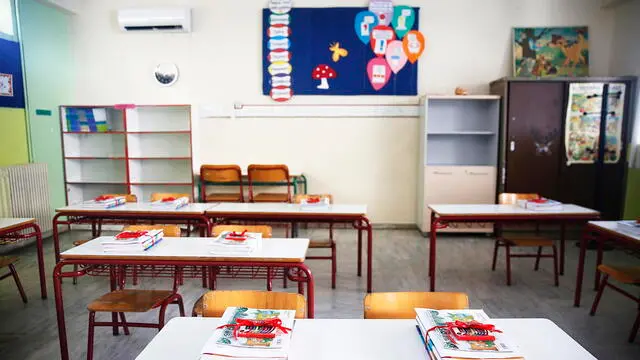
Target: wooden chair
625,275
8,262
160,196
223,175
265,175
216,302
323,243
121,301
219,229
400,305
527,241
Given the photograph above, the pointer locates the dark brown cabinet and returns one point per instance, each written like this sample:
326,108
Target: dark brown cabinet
533,156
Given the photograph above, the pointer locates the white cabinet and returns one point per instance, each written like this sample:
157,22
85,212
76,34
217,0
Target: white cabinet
458,155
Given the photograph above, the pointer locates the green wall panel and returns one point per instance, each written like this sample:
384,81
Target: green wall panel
13,137
632,204
46,48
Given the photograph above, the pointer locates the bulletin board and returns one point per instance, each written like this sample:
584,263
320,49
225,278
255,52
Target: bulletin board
313,31
11,88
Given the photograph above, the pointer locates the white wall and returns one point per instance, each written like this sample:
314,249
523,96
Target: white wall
369,161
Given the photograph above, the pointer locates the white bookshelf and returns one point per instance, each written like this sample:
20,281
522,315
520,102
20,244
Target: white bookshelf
140,150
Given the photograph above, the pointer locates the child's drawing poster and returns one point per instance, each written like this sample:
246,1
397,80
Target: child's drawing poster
548,52
615,113
582,128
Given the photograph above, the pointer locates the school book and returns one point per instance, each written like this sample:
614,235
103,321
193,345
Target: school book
313,203
246,333
435,325
631,227
105,202
132,241
171,202
240,243
541,204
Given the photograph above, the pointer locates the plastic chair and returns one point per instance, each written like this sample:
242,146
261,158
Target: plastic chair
8,262
268,175
224,175
526,241
401,305
625,275
216,302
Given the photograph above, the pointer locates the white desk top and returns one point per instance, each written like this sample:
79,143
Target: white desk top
140,207
9,223
505,210
612,226
284,208
315,339
196,249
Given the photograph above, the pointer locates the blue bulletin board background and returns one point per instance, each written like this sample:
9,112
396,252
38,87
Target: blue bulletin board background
312,32
10,63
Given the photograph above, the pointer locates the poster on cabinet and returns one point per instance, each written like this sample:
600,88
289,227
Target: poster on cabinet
582,126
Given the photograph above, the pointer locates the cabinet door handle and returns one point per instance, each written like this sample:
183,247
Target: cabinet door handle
442,173
476,173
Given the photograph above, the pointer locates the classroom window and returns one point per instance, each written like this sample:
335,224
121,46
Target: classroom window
6,18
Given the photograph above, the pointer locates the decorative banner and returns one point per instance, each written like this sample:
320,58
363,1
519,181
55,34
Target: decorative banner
275,19
280,67
365,22
413,45
396,58
279,55
323,73
615,114
383,10
379,73
403,19
279,43
582,126
280,6
278,30
380,38
281,93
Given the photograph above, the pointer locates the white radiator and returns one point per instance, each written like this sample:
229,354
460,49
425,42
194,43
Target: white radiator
24,192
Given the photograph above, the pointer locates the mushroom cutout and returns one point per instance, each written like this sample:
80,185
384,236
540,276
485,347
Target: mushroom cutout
323,72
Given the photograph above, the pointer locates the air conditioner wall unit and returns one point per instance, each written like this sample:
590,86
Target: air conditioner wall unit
176,19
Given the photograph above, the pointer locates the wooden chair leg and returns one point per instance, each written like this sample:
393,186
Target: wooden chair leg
556,281
596,301
495,255
125,327
508,252
14,273
537,266
636,326
92,319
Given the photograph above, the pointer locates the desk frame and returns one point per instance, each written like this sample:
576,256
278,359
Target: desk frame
12,232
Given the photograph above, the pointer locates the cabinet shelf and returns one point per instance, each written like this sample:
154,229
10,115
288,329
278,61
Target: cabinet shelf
160,132
451,133
94,132
94,157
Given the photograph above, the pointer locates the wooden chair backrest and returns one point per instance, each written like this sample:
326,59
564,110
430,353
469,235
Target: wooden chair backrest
268,173
127,197
221,173
265,230
169,230
298,198
512,198
160,196
400,305
214,303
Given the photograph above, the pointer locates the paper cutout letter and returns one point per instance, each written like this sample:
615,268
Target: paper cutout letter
365,22
380,38
395,56
413,45
403,19
383,10
379,73
280,6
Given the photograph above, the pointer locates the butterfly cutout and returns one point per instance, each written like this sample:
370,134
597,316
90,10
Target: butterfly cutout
337,51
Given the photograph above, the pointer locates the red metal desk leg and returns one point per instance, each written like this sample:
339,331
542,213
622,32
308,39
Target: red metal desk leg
562,241
39,247
580,271
359,223
600,242
369,256
56,238
310,289
57,290
432,252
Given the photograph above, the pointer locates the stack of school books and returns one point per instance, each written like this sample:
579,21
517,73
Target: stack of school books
246,333
463,334
105,202
132,241
313,203
236,243
631,227
171,203
541,204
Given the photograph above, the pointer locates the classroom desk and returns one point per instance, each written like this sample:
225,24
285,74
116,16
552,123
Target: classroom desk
443,214
600,231
293,213
10,229
278,253
320,339
294,178
75,214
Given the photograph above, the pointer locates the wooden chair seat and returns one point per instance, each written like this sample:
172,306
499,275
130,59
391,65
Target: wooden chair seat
224,197
623,274
271,197
214,303
130,300
401,305
7,260
528,241
321,243
80,242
